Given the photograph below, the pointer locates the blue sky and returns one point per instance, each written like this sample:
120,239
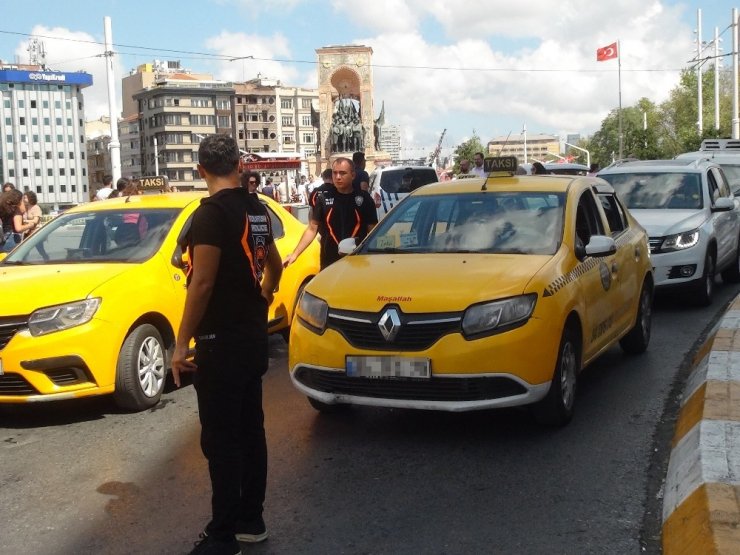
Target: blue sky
482,65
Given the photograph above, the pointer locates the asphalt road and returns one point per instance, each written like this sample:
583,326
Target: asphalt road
84,478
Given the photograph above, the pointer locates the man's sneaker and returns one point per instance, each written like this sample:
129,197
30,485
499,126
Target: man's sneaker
207,545
251,532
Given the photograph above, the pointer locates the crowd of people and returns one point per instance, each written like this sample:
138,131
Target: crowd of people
20,215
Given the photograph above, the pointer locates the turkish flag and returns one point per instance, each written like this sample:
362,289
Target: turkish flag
606,53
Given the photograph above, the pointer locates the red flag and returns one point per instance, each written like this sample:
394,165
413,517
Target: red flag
606,53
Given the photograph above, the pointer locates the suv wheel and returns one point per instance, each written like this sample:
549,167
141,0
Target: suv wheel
705,286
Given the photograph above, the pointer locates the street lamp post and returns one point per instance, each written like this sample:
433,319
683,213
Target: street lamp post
588,154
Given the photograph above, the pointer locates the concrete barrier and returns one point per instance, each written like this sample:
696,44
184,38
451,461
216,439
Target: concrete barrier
701,503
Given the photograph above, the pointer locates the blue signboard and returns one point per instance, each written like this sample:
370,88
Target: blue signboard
45,77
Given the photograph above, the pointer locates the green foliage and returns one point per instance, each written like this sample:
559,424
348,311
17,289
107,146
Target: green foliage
467,149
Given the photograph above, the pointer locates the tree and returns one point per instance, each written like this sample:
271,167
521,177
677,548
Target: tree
467,149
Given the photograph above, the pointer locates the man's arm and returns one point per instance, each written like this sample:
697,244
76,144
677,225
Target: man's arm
273,271
312,229
196,300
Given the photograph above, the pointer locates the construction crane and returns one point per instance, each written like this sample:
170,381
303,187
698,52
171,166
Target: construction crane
435,153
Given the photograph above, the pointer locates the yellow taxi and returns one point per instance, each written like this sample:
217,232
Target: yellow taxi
92,302
476,294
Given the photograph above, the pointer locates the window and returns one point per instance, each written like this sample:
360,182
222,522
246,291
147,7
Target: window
255,134
25,172
47,121
60,155
61,171
11,172
35,138
44,104
306,121
34,121
286,102
60,138
62,188
23,138
6,103
69,121
49,172
58,121
38,172
22,120
224,121
305,103
11,155
288,138
7,121
21,104
588,220
71,155
51,188
288,120
47,138
39,189
33,104
74,188
70,138
241,135
9,138
308,137
48,154
37,155
614,213
24,155
222,104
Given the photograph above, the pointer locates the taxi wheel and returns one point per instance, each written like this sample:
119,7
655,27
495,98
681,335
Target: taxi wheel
637,339
325,407
705,286
556,409
140,372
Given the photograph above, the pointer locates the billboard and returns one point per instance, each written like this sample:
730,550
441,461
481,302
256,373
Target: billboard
46,77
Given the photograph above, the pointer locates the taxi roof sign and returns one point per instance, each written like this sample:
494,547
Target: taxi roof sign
507,164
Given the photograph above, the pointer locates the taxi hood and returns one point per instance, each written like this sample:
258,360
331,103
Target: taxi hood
662,222
424,283
37,286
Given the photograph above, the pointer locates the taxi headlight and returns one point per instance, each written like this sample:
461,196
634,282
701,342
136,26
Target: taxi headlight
313,311
62,317
498,315
680,241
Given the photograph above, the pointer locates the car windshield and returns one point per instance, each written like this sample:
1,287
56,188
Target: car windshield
406,180
485,222
657,190
97,236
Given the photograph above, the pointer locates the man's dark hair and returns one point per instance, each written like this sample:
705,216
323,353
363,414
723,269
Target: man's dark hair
593,167
326,175
218,155
121,183
107,180
358,157
8,186
343,159
480,154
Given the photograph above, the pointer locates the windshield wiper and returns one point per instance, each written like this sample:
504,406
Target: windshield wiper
387,250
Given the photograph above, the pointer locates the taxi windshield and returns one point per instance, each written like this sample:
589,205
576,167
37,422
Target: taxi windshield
658,190
487,222
97,237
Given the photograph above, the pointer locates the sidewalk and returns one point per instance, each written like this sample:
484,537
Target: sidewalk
701,505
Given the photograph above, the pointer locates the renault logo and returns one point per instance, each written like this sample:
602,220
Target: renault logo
389,324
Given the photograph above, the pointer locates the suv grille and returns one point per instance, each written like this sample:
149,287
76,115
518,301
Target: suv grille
9,325
655,243
434,389
417,331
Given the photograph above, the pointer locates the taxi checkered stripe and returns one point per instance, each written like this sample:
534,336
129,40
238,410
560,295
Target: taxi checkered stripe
583,267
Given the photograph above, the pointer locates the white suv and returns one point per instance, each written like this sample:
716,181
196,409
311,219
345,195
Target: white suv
726,153
691,217
388,186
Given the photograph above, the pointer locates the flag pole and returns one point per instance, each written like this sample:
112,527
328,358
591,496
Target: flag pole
619,73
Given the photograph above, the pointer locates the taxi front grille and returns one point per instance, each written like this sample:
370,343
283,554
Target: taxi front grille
433,389
15,384
9,326
416,331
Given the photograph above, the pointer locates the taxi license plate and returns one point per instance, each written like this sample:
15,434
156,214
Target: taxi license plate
384,367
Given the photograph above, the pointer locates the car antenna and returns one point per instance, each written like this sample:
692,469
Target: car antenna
500,150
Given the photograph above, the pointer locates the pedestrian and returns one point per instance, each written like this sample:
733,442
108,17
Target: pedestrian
120,186
11,216
478,167
250,180
362,179
593,169
8,186
464,166
326,176
339,212
107,188
234,269
269,189
32,212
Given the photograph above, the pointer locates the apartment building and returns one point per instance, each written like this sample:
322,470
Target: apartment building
42,142
538,147
390,141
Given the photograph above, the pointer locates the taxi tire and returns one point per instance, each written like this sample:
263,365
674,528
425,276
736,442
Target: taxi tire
556,409
128,394
637,339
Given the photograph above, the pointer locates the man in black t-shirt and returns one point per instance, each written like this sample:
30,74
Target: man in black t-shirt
326,176
234,268
339,212
361,181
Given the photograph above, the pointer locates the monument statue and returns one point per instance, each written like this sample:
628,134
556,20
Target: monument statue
378,126
347,133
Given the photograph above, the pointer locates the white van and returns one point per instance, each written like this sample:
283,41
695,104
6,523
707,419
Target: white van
388,186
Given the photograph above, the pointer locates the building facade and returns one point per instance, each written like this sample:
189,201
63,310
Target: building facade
42,146
390,142
128,133
538,147
174,115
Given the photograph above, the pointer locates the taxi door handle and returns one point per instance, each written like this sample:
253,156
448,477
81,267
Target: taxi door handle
615,267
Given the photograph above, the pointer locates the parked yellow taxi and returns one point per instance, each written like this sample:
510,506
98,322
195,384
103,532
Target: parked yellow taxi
475,294
92,302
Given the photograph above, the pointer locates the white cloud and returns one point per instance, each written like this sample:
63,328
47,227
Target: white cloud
516,48
71,51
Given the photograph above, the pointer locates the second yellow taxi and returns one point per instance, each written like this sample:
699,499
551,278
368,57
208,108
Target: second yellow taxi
475,294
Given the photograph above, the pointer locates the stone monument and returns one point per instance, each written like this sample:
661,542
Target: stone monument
346,118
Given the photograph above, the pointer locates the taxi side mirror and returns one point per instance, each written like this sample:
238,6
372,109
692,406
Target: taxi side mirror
180,259
347,246
601,245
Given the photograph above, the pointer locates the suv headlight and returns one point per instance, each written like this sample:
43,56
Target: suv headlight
680,241
62,317
498,315
313,311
